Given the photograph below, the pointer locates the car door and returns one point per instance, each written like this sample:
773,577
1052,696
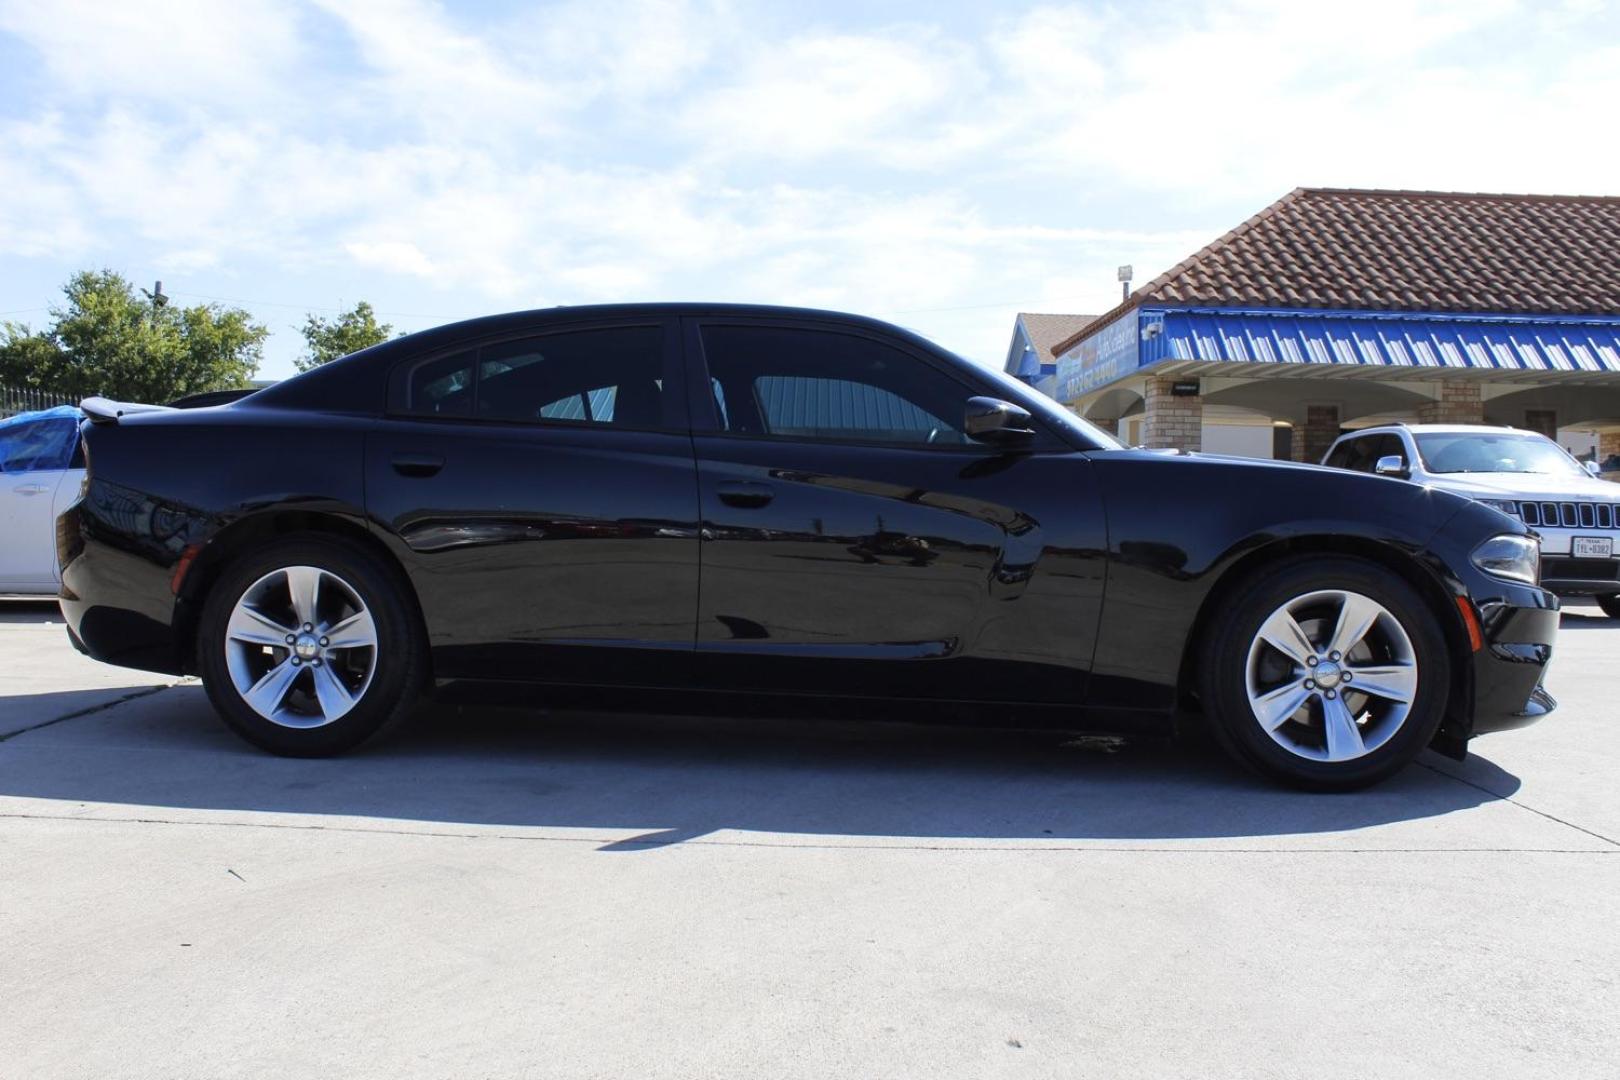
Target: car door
541,493
34,460
856,542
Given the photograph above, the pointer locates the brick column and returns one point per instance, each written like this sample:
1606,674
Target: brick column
1459,403
1170,422
1312,439
1608,445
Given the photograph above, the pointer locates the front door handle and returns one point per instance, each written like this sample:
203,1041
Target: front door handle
417,465
745,494
30,489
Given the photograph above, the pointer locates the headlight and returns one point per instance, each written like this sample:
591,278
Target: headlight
1517,558
1507,506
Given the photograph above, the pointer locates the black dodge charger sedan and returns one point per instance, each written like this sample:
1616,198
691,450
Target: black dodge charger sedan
690,504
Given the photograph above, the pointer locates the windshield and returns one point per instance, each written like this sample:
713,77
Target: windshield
1476,452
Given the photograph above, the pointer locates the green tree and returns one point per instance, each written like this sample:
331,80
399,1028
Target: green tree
328,339
109,340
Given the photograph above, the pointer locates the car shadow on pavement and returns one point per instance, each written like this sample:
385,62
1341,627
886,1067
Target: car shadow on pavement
668,779
29,611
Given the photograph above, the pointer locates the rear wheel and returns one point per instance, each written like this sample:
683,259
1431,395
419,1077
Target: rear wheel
1326,673
1610,605
307,648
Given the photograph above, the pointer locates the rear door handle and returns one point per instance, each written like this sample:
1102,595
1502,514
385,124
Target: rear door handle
745,494
417,465
30,489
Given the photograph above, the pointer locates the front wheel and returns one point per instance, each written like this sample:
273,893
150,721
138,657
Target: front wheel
1326,673
1610,605
308,647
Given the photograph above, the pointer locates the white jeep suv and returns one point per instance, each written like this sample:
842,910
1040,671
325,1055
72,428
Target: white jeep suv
1520,473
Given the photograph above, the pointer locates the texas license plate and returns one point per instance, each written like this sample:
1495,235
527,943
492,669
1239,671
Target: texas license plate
1591,547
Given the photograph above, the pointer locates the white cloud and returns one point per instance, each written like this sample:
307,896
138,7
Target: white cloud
878,95
210,56
392,256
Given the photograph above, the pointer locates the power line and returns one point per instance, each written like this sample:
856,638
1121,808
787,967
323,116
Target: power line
965,307
308,307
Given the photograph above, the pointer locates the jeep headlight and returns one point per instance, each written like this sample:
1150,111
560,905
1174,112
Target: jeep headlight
1517,558
1507,506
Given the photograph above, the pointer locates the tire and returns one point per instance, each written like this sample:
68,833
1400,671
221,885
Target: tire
1610,605
1372,734
323,693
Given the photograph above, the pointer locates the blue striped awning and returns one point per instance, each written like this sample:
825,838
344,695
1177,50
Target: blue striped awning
1553,345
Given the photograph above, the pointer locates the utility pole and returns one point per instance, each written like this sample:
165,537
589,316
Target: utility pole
1125,274
157,297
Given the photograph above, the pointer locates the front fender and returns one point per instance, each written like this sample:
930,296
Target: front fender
1178,524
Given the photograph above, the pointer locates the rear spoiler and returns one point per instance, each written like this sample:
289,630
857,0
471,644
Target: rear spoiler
102,411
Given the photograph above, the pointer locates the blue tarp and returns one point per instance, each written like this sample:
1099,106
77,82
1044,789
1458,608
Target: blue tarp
35,441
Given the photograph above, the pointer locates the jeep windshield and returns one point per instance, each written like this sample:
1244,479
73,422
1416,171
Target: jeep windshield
1498,452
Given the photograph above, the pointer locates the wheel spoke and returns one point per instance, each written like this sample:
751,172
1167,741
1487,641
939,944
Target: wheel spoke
1356,617
356,632
266,695
334,697
304,583
1343,737
1395,682
1274,707
255,627
1283,633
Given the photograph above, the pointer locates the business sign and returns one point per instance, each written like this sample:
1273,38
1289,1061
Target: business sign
1110,354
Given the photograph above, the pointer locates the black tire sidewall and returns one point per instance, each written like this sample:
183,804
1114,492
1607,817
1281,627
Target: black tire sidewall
394,685
1610,604
1225,661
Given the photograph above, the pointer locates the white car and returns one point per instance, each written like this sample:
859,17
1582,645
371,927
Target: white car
1521,473
41,470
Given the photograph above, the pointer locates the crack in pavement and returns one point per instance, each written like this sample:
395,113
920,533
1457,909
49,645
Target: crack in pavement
104,706
637,842
1522,806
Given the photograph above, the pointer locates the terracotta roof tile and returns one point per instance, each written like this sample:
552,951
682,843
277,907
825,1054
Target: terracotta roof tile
1405,251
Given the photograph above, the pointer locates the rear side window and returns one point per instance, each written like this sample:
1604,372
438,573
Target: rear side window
441,387
809,384
613,377
41,445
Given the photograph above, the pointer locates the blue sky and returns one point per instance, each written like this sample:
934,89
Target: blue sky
940,165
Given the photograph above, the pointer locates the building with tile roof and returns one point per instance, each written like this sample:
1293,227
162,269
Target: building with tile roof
1031,355
1335,308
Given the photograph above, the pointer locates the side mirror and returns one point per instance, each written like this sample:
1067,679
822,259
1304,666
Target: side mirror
1392,465
1592,468
998,422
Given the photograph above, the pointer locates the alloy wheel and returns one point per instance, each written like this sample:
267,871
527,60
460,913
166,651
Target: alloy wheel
1331,675
301,647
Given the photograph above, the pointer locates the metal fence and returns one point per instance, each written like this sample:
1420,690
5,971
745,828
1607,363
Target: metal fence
14,401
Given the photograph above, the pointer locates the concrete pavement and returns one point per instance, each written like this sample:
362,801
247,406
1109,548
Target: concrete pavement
573,895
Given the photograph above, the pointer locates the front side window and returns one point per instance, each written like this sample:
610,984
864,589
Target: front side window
811,384
613,377
1359,454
